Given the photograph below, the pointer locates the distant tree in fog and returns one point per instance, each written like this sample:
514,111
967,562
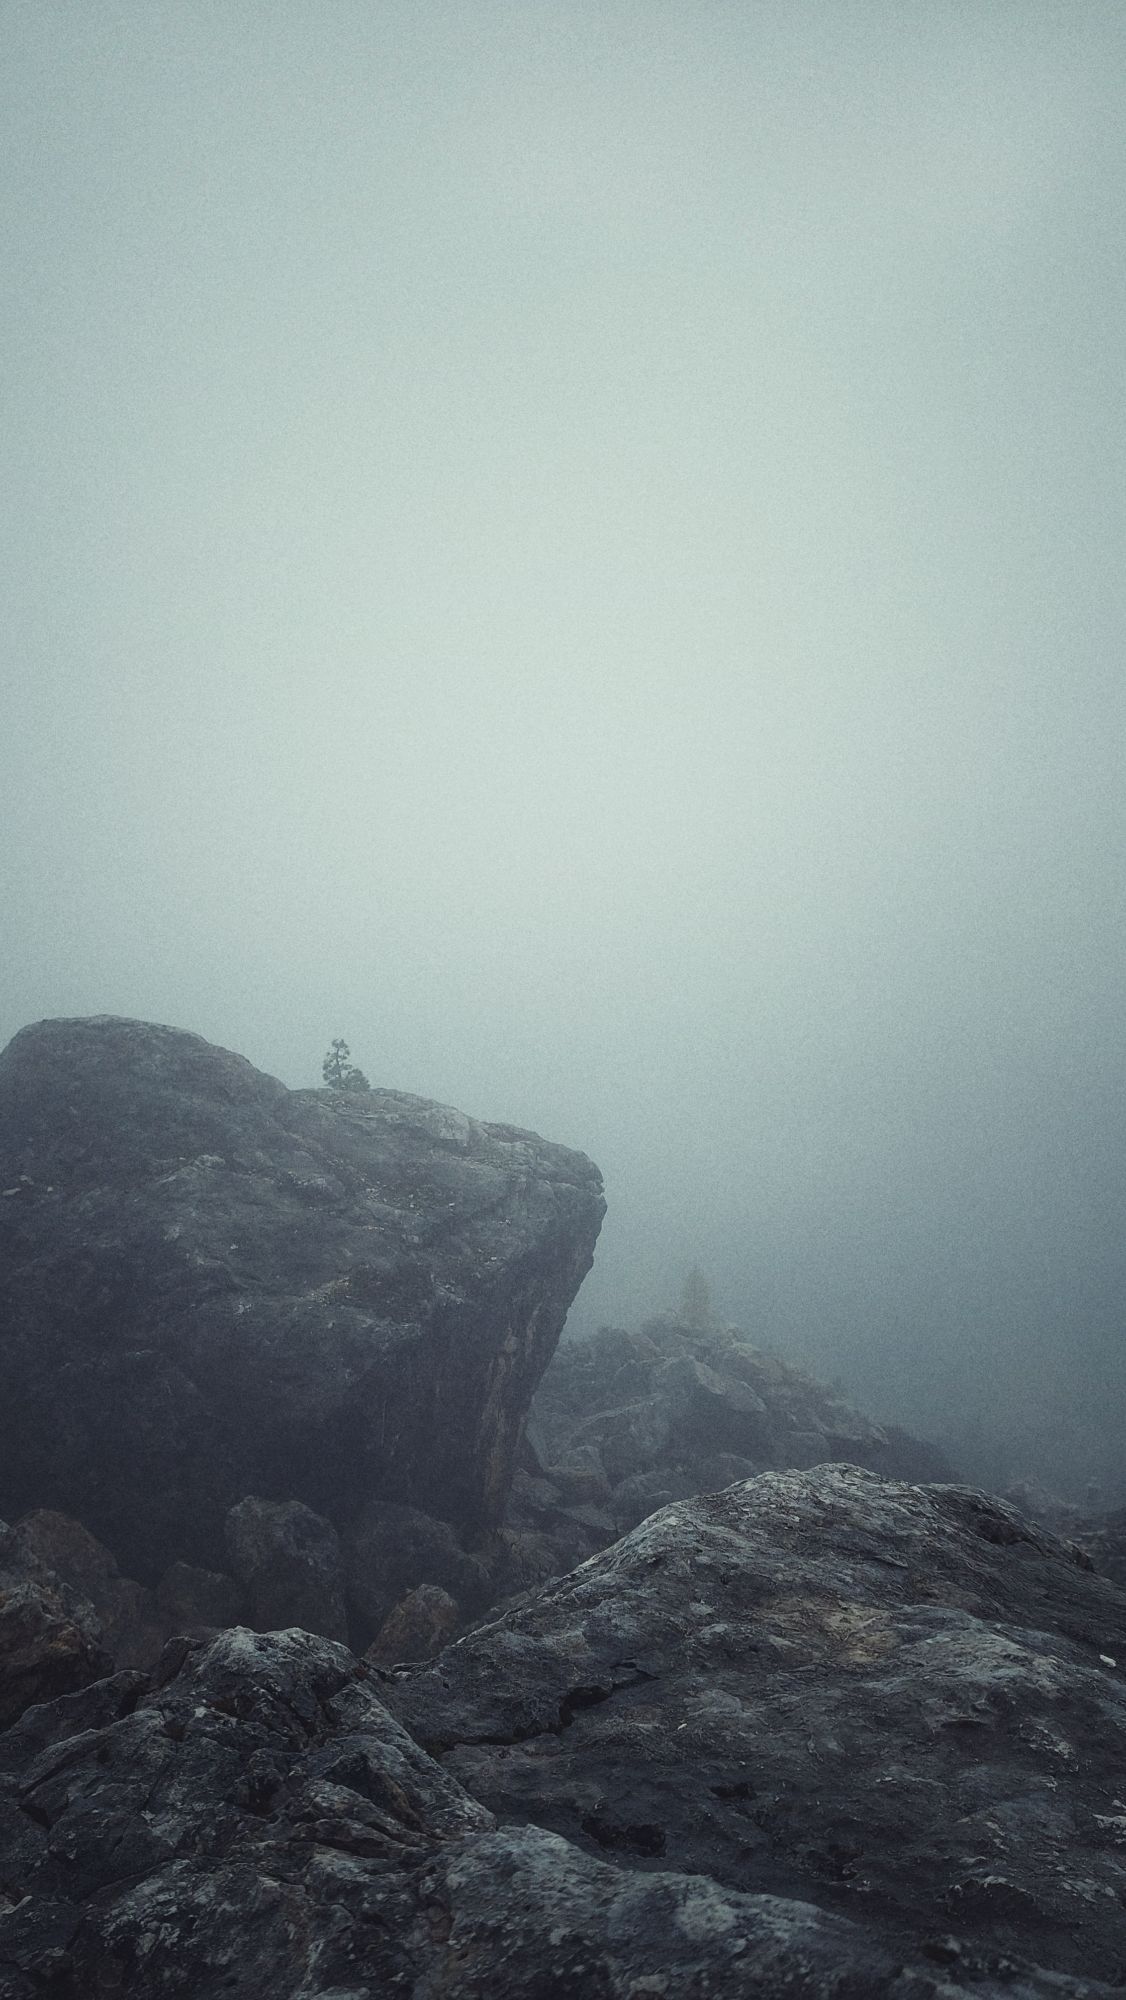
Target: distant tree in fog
340,1072
696,1300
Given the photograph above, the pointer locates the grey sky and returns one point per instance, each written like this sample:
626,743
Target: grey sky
580,548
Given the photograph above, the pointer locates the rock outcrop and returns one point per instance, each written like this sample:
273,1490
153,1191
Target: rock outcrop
820,1735
214,1287
625,1422
903,1704
252,1819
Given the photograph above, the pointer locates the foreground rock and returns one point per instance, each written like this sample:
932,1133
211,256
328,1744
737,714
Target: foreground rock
214,1287
625,1422
251,1819
904,1704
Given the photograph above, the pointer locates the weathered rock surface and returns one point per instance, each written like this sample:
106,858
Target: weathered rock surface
625,1422
251,1819
212,1286
98,1617
904,1704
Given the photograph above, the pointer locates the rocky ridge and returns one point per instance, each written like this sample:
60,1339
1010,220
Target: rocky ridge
624,1422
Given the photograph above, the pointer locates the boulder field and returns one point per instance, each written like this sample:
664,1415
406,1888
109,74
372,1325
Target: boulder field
626,1420
783,1730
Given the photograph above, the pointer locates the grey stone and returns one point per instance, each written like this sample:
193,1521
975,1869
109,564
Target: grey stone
582,1482
705,1407
251,1819
133,1625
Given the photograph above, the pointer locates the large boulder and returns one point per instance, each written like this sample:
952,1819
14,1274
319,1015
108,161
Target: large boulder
215,1286
904,1704
252,1819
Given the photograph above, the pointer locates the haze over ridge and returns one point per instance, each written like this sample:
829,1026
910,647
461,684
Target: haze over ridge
579,548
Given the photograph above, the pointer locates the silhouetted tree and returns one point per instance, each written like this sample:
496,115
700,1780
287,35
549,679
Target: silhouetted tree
340,1072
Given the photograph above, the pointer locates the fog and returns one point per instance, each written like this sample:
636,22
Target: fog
579,548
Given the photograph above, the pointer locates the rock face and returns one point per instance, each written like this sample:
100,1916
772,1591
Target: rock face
251,1819
625,1422
68,1615
213,1287
904,1704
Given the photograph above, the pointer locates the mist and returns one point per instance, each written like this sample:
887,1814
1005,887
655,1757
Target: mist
579,548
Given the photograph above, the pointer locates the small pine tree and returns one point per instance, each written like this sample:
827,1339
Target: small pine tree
340,1072
696,1301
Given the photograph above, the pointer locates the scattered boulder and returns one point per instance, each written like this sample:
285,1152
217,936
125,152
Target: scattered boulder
250,1818
132,1623
417,1627
646,1492
628,1439
213,1286
287,1559
904,1704
50,1638
390,1550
